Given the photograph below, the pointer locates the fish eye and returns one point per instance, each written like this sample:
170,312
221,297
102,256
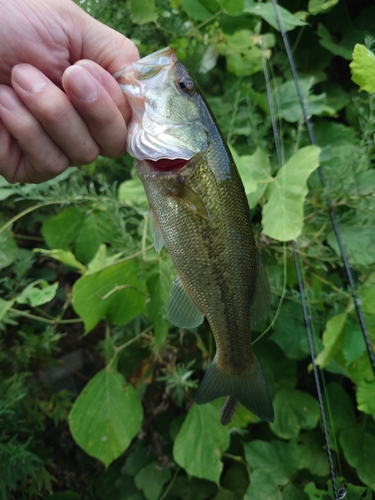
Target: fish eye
186,85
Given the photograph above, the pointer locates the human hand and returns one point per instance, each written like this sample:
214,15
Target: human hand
48,47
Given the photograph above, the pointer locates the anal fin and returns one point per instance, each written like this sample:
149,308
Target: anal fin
181,310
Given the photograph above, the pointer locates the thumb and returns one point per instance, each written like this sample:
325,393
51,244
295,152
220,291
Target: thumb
103,45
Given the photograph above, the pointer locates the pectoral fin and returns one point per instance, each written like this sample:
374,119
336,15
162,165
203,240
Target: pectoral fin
186,195
156,232
181,310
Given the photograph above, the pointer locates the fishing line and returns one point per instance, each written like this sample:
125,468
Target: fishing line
338,495
332,214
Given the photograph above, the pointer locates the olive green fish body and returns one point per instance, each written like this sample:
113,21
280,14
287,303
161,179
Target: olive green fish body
200,212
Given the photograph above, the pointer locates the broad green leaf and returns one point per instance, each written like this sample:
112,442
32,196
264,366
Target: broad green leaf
313,453
332,339
267,12
243,57
37,293
353,345
341,407
287,104
244,170
106,416
195,10
8,248
321,6
366,397
294,410
137,459
6,189
263,486
5,305
283,212
131,192
290,332
63,256
235,479
359,450
143,12
363,68
151,479
259,168
117,291
277,459
314,494
101,260
231,7
62,230
359,243
327,42
88,240
293,492
200,443
159,284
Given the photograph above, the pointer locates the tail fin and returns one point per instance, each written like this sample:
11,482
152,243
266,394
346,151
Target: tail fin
249,389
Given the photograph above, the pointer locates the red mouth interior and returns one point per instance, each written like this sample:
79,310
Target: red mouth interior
168,165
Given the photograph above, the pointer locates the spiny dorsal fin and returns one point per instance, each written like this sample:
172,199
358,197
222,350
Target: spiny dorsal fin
181,310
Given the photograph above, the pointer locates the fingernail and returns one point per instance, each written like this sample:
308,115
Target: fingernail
29,78
7,98
81,84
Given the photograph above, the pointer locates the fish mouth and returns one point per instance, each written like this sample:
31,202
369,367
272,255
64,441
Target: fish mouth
167,164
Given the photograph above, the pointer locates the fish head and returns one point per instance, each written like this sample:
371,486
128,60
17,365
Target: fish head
169,118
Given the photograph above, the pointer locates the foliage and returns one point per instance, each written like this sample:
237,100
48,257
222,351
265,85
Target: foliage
96,387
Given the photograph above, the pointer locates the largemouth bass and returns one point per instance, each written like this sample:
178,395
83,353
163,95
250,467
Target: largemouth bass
199,210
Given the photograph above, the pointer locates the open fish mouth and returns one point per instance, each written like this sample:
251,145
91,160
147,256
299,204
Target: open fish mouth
166,124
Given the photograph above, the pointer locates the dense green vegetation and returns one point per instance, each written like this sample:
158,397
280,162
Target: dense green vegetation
82,288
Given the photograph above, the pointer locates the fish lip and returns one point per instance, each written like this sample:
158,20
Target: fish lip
142,69
184,168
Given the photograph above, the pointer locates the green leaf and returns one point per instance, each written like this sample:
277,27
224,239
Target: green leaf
287,104
314,494
8,248
359,450
283,212
131,192
63,256
312,453
327,42
366,397
5,305
151,479
258,165
293,492
341,407
243,57
200,442
143,12
267,12
363,68
332,339
321,6
353,345
191,488
88,240
359,243
37,293
231,7
117,292
195,10
160,283
263,486
64,495
294,410
106,416
62,230
276,459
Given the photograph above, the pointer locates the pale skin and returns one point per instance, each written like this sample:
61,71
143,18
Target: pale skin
59,104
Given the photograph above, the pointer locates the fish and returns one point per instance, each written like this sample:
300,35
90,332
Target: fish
200,212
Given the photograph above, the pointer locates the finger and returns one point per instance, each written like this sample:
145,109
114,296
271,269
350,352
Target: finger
28,154
100,112
53,109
